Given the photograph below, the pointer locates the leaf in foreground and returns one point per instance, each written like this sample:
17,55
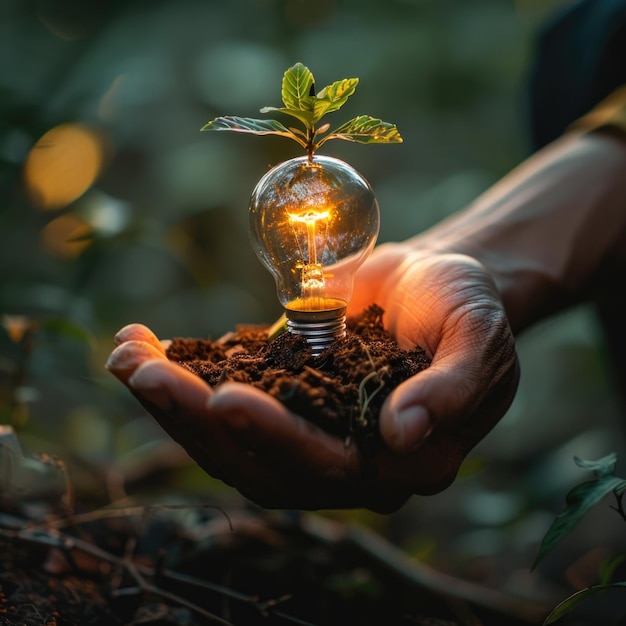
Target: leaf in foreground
575,599
578,503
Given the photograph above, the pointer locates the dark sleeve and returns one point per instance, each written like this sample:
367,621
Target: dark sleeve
581,59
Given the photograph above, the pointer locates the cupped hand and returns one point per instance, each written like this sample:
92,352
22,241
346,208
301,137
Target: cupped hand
248,439
448,304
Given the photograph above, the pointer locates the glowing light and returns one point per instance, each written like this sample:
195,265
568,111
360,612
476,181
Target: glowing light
312,273
63,164
313,224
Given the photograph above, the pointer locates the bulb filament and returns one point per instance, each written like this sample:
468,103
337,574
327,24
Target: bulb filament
312,280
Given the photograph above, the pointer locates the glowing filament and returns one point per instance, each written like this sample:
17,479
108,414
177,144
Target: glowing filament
312,277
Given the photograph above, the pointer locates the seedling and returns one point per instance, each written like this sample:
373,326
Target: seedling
313,219
300,101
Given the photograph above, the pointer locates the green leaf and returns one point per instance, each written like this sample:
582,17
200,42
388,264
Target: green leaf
602,467
333,97
301,102
306,117
575,599
309,109
365,129
298,83
278,327
246,125
251,125
578,502
608,569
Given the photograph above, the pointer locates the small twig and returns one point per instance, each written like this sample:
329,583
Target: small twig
420,576
40,535
129,550
365,398
137,572
147,587
128,511
208,586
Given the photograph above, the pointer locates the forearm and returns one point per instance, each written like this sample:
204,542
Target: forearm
552,232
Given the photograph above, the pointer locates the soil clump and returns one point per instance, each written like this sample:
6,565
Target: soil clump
342,390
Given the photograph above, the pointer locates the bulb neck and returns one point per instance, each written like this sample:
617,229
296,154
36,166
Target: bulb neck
320,328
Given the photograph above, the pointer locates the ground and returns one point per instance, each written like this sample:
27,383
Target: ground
71,562
199,564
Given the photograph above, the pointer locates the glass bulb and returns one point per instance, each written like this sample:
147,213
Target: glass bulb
312,224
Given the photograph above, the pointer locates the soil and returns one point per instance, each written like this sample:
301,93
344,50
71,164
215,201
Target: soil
341,390
197,565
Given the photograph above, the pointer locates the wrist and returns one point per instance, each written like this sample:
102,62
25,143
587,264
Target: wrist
552,232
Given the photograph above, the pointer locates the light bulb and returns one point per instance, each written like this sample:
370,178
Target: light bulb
312,224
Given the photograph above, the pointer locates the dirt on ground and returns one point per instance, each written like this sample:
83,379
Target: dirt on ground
199,564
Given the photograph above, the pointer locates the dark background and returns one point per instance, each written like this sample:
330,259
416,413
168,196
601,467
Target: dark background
143,218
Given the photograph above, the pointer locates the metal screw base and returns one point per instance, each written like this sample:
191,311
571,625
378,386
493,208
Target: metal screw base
320,328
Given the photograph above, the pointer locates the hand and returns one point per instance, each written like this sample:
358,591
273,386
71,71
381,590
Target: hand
448,304
245,437
241,435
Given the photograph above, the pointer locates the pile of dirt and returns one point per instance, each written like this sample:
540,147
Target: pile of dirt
341,390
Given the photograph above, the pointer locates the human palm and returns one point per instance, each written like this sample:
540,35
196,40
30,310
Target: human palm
446,303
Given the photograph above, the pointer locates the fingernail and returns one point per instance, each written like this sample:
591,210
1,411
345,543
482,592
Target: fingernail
121,361
124,334
128,357
412,425
151,390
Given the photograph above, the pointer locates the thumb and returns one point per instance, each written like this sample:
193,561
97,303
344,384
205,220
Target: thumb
408,415
445,397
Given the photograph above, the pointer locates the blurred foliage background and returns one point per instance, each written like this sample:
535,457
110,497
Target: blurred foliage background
116,209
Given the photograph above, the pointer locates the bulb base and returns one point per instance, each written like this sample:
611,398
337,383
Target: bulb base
320,328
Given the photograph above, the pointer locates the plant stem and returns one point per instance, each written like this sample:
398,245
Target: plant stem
310,143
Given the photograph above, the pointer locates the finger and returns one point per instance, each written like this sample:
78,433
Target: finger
180,401
263,424
434,465
453,388
290,462
128,356
138,332
177,399
252,442
172,390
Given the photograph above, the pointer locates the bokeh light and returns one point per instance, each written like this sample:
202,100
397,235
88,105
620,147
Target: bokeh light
66,236
63,164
